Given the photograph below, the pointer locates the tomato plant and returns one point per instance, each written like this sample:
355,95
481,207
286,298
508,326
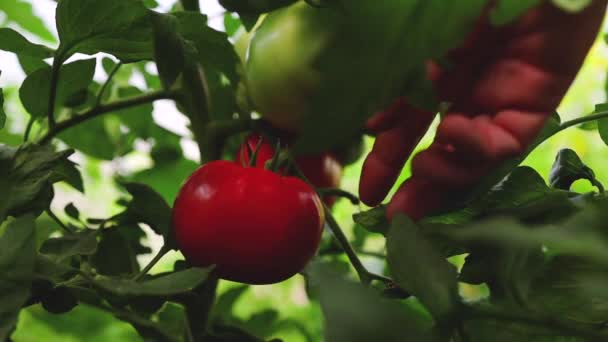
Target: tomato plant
88,236
254,225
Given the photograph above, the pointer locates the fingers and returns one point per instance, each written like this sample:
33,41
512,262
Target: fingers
416,198
446,168
390,152
388,118
478,138
465,150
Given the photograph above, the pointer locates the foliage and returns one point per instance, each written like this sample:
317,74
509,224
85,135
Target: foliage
532,253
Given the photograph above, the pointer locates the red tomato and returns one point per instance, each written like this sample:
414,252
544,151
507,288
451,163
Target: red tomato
256,226
323,171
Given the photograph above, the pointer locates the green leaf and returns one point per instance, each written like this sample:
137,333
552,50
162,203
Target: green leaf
118,27
254,6
568,168
572,6
171,284
420,269
262,323
73,77
13,41
224,305
173,319
115,256
219,60
358,314
31,64
169,48
602,124
374,220
66,171
167,176
17,262
512,325
138,119
2,113
508,271
582,282
506,11
86,136
231,24
148,207
581,234
26,176
81,243
59,300
22,13
71,210
523,193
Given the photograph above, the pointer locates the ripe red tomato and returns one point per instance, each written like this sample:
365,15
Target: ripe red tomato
323,171
256,226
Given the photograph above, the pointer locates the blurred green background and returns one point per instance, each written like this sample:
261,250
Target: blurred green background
281,310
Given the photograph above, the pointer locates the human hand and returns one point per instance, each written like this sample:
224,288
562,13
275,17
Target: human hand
503,83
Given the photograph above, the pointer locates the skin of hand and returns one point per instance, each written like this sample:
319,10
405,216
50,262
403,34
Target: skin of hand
502,83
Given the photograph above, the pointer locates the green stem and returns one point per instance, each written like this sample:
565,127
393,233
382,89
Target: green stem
581,120
598,185
28,129
364,275
57,61
161,253
106,84
534,319
339,193
58,221
103,109
372,254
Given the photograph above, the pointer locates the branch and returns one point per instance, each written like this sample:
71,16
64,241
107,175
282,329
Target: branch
103,109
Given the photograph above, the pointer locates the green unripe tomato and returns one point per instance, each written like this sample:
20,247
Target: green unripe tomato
241,43
281,76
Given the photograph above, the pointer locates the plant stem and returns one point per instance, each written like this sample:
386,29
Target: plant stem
58,221
598,185
339,193
362,272
50,111
581,120
103,109
364,275
372,254
28,129
106,84
528,318
161,253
